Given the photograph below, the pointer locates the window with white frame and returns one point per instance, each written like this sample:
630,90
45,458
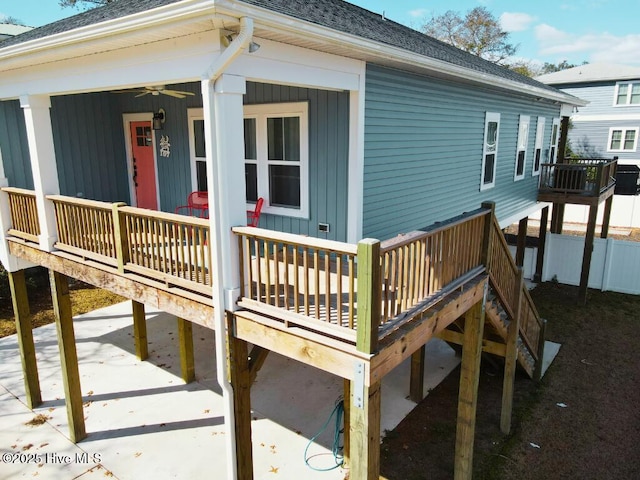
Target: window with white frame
627,93
537,150
521,147
622,139
197,149
490,150
277,157
555,136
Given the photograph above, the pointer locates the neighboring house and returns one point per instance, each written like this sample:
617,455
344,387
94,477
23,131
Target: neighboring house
349,125
9,30
608,126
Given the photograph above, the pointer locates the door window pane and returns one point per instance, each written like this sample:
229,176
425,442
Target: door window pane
520,166
489,161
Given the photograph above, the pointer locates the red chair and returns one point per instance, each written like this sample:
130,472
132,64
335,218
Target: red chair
197,205
253,216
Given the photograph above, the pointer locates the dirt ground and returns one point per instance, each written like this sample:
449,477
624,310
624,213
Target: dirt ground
582,421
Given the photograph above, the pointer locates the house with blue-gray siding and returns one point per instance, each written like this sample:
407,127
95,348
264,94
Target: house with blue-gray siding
355,131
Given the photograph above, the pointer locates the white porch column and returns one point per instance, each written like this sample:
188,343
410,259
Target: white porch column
43,163
356,161
224,139
9,262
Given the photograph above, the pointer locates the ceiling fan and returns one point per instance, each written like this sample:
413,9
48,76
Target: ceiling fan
157,90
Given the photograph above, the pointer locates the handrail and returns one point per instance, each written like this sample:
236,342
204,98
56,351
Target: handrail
24,214
504,278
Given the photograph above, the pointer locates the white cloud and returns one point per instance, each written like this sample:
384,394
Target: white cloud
601,47
515,21
418,13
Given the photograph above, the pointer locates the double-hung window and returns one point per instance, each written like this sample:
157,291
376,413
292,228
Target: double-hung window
276,140
622,139
521,149
555,136
197,149
490,150
627,93
537,150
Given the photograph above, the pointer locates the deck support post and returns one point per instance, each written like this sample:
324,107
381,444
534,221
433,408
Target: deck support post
24,330
347,422
140,330
511,358
522,241
542,239
257,357
606,217
240,377
557,218
468,393
68,354
586,256
364,414
416,381
185,336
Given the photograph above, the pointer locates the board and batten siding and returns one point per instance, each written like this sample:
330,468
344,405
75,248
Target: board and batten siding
589,132
423,151
328,158
14,145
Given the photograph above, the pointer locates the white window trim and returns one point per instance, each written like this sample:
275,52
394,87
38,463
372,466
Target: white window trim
194,114
553,147
261,112
627,103
489,117
522,145
624,131
538,145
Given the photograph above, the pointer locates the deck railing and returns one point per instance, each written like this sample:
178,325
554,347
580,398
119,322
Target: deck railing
24,214
589,177
318,282
505,280
170,248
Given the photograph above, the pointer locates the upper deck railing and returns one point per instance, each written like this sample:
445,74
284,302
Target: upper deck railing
578,176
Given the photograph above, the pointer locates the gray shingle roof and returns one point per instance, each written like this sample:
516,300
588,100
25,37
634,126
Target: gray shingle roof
592,72
335,14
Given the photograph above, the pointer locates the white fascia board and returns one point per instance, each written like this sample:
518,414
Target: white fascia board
171,13
286,64
526,212
633,117
284,23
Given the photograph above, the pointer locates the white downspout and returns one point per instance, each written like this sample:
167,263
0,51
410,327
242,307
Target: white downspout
221,263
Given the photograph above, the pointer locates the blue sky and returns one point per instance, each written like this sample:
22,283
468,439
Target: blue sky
546,30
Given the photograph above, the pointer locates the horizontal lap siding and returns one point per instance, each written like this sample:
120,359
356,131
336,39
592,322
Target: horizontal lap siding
328,158
14,145
423,151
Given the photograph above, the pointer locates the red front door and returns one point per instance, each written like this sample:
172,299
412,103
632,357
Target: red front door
144,168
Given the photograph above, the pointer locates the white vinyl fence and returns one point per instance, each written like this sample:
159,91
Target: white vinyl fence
615,264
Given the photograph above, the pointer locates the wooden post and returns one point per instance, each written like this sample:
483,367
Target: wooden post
416,381
185,335
257,357
140,330
557,218
22,314
119,234
369,295
347,422
562,141
511,358
488,228
364,435
604,232
586,256
240,378
468,393
522,241
68,354
364,414
542,239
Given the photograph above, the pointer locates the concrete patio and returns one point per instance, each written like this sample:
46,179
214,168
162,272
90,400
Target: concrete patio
144,422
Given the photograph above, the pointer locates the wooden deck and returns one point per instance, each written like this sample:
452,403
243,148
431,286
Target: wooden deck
356,311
